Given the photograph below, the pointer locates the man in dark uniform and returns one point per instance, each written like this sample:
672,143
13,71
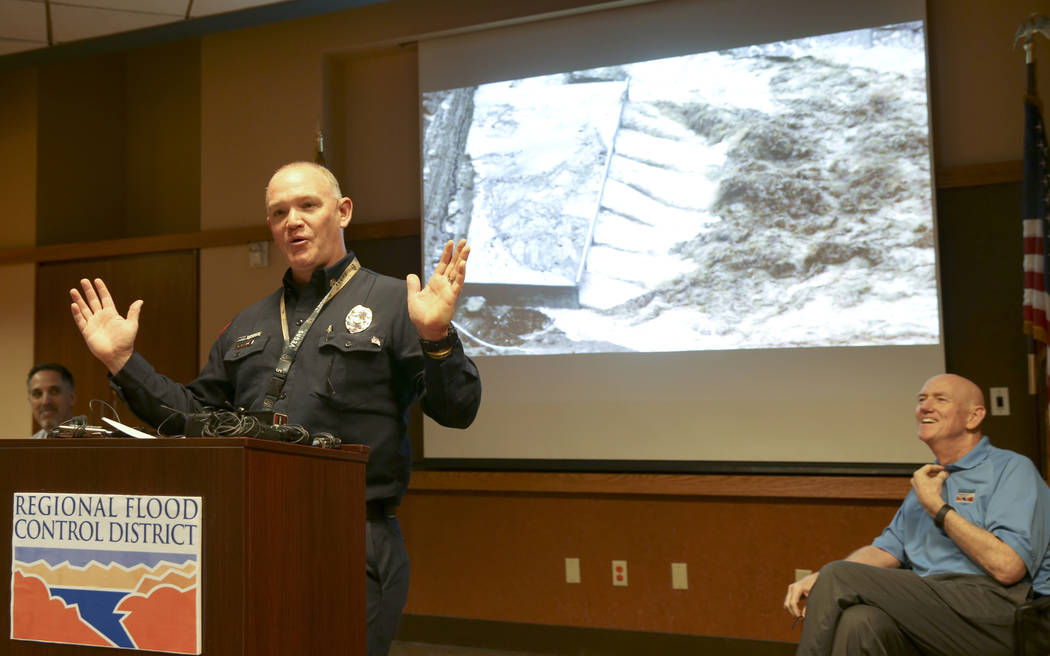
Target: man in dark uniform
362,348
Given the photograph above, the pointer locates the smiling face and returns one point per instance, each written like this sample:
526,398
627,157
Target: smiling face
306,216
51,398
950,409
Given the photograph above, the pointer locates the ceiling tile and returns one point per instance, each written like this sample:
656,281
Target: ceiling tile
209,7
7,46
73,23
23,20
168,7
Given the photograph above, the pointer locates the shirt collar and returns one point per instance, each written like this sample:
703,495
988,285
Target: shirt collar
974,457
321,279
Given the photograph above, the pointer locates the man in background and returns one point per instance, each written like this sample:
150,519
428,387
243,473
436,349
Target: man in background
967,546
51,396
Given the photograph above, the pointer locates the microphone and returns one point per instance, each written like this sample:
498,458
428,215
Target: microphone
325,440
77,427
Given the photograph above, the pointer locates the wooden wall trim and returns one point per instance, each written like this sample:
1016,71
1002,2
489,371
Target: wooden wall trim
187,241
133,245
979,174
720,485
947,178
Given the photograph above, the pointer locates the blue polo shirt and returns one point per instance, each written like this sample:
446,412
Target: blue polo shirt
995,489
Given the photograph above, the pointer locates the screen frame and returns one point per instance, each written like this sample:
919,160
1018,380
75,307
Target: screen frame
664,49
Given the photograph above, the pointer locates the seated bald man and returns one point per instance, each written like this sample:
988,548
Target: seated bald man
966,547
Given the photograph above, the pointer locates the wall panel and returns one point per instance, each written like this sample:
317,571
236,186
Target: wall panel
500,556
167,282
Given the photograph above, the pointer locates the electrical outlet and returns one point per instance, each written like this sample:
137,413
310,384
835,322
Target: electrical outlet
802,573
572,570
679,576
619,573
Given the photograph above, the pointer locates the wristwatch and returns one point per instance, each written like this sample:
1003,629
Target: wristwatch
442,348
938,519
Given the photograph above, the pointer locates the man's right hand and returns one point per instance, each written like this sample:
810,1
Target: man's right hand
797,593
109,336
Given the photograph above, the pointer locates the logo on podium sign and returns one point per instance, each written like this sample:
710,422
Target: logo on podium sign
108,570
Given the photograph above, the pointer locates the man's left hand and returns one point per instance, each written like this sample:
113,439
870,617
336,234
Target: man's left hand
927,482
431,307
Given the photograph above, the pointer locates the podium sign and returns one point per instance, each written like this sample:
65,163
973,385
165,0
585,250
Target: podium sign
107,570
214,546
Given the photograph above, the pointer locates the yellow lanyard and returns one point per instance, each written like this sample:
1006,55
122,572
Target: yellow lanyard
291,348
350,271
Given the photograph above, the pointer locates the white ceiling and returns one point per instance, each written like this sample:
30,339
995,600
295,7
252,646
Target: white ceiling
24,24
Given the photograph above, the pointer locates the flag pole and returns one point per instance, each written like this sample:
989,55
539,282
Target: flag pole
1037,372
1031,95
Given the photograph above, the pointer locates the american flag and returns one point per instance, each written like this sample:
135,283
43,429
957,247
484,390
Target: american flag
1035,192
1035,198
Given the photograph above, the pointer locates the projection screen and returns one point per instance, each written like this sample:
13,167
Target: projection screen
703,234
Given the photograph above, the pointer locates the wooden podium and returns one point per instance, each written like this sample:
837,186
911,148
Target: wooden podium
282,538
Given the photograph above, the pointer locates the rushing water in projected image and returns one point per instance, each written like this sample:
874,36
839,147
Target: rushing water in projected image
770,196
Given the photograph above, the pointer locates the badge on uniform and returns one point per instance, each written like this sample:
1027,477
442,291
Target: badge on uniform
965,496
358,319
247,340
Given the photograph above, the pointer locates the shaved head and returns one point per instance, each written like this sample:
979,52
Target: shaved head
949,414
965,389
328,176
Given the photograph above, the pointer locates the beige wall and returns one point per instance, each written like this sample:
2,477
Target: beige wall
16,334
18,146
978,80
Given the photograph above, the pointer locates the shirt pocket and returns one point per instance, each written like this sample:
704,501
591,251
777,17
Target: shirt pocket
244,362
358,375
241,349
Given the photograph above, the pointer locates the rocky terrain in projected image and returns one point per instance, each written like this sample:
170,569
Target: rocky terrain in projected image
780,197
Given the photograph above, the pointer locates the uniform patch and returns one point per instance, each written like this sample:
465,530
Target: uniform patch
965,496
358,318
245,341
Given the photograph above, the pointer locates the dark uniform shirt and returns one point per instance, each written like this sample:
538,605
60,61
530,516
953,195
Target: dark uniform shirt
355,383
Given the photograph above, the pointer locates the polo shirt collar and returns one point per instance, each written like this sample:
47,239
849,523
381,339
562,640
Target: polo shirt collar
976,456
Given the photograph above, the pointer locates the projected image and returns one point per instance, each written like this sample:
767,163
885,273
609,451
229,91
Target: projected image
769,196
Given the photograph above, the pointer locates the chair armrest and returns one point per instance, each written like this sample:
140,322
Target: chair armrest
1032,627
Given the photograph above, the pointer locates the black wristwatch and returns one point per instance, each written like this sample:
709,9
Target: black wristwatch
441,348
938,519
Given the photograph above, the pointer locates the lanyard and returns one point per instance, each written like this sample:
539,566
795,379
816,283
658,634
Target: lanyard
291,347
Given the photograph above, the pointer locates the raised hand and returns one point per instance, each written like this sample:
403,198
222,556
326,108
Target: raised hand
109,336
431,307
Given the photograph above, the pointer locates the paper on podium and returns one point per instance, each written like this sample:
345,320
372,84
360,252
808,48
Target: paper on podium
128,430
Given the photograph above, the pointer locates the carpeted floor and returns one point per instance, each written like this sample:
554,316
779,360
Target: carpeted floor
400,648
